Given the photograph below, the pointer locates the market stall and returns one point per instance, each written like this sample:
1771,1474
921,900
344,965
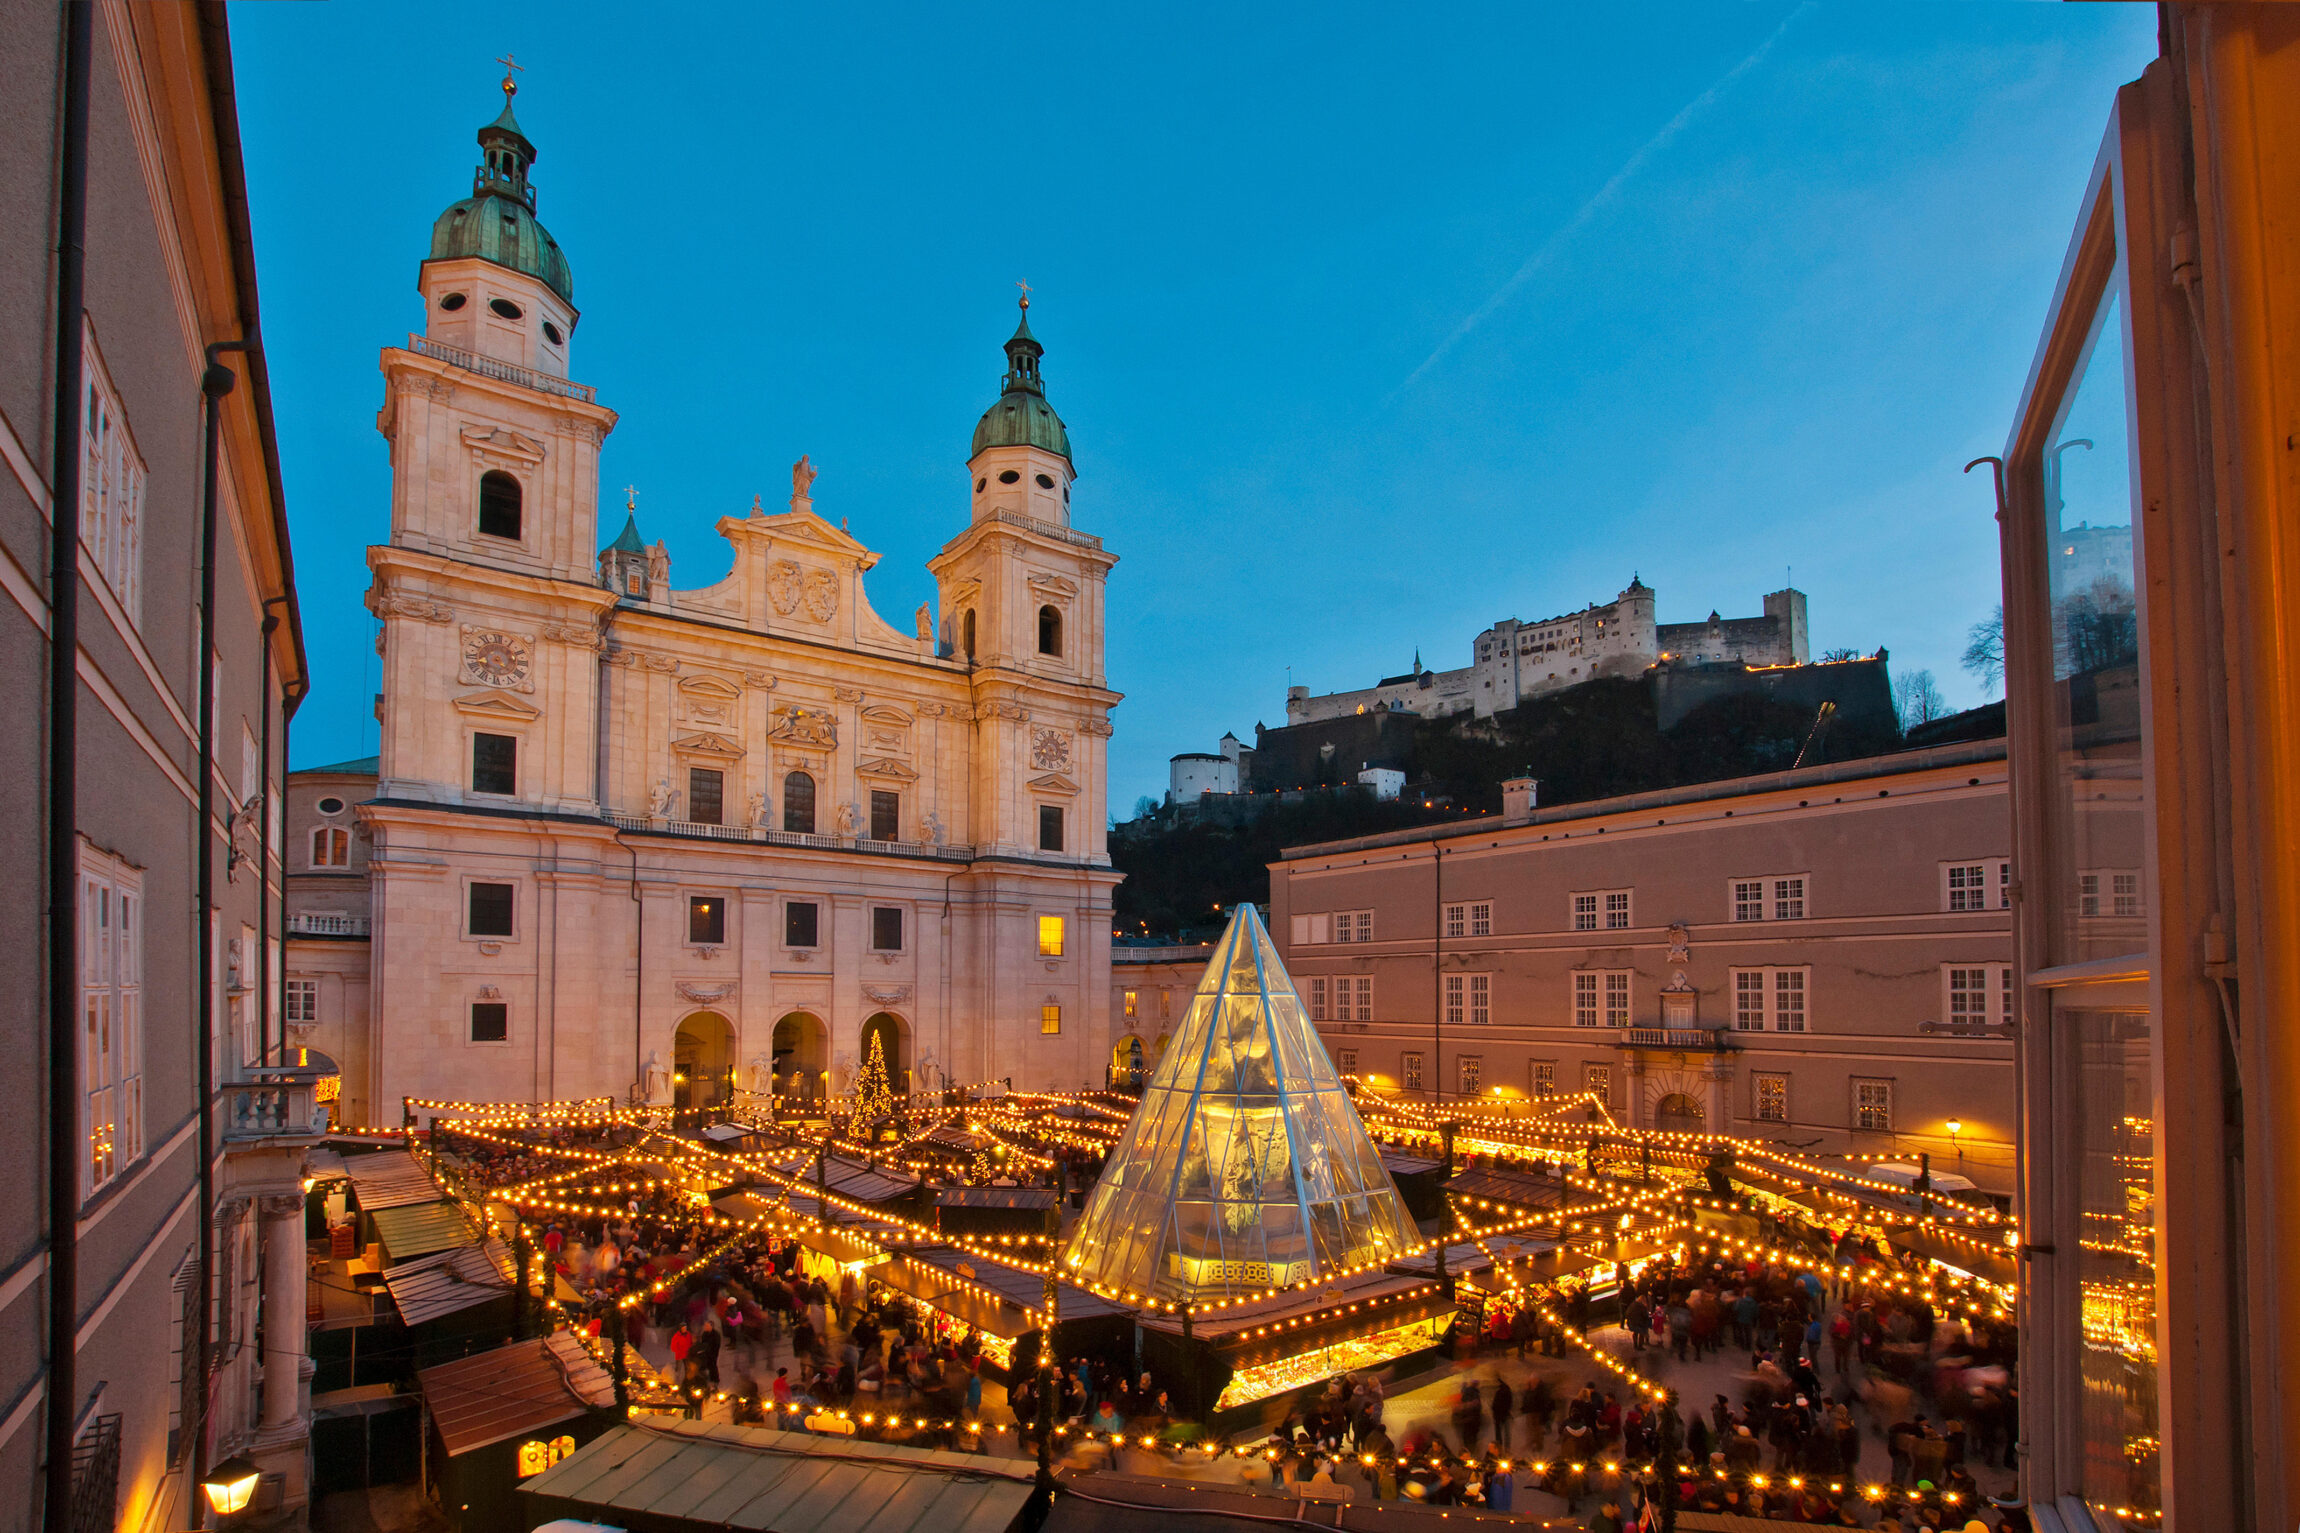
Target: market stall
496,1418
1003,1305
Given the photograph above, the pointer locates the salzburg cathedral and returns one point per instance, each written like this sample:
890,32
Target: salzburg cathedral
640,840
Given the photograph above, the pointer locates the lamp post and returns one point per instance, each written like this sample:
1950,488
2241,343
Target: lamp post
1956,1127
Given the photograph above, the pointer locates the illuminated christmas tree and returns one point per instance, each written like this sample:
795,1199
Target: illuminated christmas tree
874,1098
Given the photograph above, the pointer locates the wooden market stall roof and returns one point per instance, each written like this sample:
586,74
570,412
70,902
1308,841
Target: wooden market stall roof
421,1229
997,1197
661,1471
1497,1185
390,1179
1277,1326
447,1282
853,1180
524,1387
1009,1291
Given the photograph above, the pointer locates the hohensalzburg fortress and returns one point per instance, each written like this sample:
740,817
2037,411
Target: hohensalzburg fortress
1517,661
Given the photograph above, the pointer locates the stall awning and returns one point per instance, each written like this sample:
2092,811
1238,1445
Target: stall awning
1015,1285
996,1197
524,1387
850,1179
421,1230
450,1281
1499,1186
389,1179
715,1475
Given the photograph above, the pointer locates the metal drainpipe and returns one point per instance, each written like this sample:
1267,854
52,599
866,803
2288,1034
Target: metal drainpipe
215,383
263,805
63,784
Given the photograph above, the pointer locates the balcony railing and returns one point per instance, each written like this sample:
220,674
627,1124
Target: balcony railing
1713,1038
488,367
763,835
1060,534
276,1104
322,924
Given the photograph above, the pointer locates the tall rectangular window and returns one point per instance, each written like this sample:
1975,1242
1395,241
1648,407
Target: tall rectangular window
330,847
1873,1104
802,924
885,815
1980,884
1480,999
1749,899
1585,912
1317,998
1457,920
1597,1080
1585,984
1788,1000
1748,1000
1789,899
2088,894
1969,998
706,796
707,920
1050,1018
1772,1099
1617,998
1470,1071
1050,938
495,764
111,487
1456,999
489,910
1050,827
1544,1078
1353,926
1359,992
1410,1070
111,1017
1481,918
1617,910
1346,1061
886,928
490,1022
2124,893
301,1002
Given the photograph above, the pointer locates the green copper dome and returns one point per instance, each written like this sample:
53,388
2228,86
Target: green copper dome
1022,417
497,221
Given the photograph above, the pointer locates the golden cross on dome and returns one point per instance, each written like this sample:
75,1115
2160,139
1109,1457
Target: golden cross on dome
631,499
511,68
1025,293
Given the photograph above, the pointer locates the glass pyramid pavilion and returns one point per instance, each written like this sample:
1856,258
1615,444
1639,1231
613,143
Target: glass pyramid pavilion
1245,1166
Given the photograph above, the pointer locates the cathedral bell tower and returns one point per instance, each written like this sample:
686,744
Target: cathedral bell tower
1022,610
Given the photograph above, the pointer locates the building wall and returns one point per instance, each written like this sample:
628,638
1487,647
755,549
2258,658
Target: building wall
328,911
1150,991
1870,840
160,283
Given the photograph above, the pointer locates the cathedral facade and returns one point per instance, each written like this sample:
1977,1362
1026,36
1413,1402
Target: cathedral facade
660,844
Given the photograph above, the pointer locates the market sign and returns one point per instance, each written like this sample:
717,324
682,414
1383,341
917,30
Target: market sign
536,1455
1203,1271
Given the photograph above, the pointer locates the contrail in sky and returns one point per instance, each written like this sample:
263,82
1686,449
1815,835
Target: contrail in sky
1599,200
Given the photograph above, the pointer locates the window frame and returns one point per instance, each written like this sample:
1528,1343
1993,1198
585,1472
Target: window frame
1315,1000
471,1024
1994,889
1050,1019
1060,826
1412,1070
1541,1079
1758,1082
296,988
1860,1086
479,506
471,780
1996,993
901,914
470,932
797,774
718,776
890,801
718,913
1601,910
111,1004
1769,987
335,837
114,479
814,918
1060,929
1469,1075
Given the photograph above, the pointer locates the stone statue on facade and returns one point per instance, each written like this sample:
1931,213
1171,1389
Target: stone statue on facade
662,799
925,624
760,810
845,822
932,826
802,480
656,1081
659,565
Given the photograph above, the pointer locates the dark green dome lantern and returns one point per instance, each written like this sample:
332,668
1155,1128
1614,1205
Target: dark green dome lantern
1022,417
497,221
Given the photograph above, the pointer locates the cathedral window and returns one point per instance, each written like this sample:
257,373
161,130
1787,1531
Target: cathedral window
885,815
799,804
494,764
1050,827
330,848
506,308
1045,481
802,924
551,334
499,504
1050,936
706,796
452,302
1050,1019
706,920
886,928
1010,476
487,910
1049,631
490,1022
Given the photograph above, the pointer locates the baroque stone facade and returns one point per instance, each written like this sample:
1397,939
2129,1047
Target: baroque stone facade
1520,660
658,843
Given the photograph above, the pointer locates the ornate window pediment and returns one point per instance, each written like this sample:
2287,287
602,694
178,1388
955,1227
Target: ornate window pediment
1053,782
1052,588
496,704
708,686
499,443
801,725
887,767
707,744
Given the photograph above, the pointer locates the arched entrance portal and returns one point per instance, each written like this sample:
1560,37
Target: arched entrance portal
1128,1061
893,1035
703,1061
1678,1113
802,1050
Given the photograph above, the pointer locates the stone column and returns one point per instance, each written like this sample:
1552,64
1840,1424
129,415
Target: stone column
286,1279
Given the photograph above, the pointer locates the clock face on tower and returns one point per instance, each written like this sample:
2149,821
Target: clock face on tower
494,659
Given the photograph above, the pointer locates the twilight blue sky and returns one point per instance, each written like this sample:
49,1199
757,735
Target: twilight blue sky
1371,324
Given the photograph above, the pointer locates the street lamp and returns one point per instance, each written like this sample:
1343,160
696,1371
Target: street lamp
1956,1127
231,1485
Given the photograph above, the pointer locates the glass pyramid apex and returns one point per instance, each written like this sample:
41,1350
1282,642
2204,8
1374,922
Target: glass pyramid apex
1246,1166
